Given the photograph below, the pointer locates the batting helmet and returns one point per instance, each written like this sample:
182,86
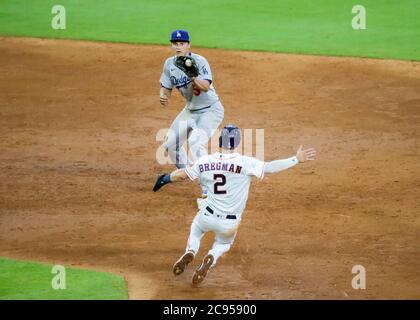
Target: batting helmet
230,137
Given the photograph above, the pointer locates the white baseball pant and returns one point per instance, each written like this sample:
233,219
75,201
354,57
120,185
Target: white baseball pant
198,127
225,232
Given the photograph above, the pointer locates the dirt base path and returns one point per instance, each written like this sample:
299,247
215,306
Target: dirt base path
78,124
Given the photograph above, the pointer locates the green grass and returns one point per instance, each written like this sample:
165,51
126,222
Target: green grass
298,26
21,280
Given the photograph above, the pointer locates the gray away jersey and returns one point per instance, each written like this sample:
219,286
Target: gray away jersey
173,77
227,178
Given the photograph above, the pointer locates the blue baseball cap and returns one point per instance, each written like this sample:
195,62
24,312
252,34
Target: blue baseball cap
180,35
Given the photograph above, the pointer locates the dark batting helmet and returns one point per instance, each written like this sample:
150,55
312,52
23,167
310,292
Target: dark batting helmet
230,137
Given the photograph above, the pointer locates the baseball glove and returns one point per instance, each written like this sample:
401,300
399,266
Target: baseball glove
187,65
161,181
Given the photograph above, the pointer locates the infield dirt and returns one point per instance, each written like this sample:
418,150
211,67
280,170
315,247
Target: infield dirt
78,142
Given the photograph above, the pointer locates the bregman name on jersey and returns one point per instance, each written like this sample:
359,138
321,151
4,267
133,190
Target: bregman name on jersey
220,166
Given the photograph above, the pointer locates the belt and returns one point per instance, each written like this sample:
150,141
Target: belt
199,109
229,216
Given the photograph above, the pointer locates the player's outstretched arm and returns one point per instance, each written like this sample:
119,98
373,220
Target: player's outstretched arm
283,164
175,176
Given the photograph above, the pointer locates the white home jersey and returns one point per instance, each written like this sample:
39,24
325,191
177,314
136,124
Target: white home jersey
174,77
227,178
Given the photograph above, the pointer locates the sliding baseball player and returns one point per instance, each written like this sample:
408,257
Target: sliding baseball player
227,177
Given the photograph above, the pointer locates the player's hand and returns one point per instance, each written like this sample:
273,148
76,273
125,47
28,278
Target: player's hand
305,155
164,100
162,179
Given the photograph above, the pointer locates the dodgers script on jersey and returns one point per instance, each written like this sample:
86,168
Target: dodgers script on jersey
174,77
227,178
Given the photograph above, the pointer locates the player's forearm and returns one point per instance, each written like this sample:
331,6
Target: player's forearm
165,95
202,85
165,91
178,175
280,165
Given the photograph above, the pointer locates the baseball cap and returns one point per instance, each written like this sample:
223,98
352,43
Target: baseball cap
180,35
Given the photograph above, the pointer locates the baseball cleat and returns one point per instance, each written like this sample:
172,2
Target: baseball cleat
202,270
182,263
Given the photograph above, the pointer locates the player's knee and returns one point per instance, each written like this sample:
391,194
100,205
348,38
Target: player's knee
170,140
169,146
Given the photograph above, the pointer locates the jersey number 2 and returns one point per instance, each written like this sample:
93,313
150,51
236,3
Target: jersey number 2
220,181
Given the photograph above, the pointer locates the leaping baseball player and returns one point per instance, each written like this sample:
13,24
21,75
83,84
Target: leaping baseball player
227,177
190,73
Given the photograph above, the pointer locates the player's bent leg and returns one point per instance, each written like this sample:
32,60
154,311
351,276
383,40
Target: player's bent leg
193,245
178,156
221,245
175,139
198,143
176,152
203,128
218,250
196,234
210,120
204,125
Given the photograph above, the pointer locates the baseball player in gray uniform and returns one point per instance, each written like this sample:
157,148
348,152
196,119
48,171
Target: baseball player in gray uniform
203,111
227,176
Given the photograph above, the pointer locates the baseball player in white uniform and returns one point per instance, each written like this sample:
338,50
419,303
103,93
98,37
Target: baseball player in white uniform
203,111
227,176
